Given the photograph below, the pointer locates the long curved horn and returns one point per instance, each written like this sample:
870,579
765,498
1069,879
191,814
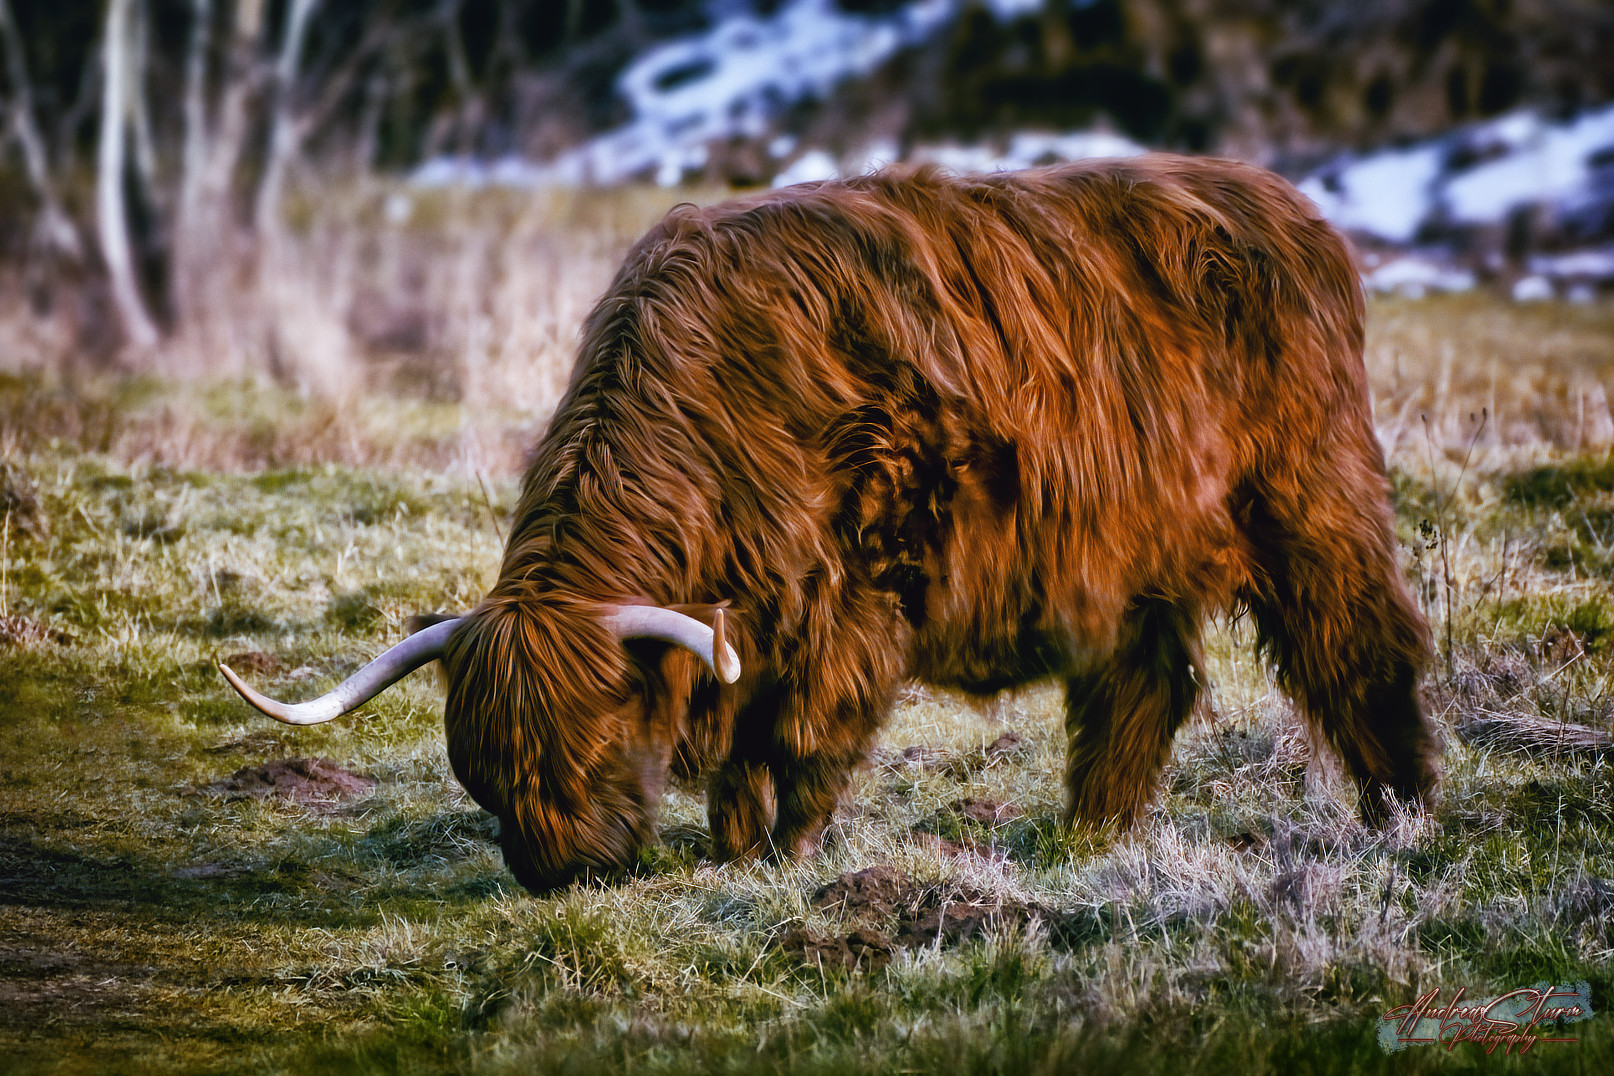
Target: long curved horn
393,665
669,625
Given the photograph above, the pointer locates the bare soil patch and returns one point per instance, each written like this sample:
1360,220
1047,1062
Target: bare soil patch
915,755
875,892
894,913
952,763
864,948
312,782
988,812
255,661
966,847
1009,743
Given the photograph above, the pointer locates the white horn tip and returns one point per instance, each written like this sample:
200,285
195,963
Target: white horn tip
261,703
315,713
725,662
230,675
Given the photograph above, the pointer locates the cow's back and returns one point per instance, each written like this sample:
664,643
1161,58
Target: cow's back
1013,402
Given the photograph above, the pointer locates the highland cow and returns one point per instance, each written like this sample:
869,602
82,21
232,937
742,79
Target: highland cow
976,431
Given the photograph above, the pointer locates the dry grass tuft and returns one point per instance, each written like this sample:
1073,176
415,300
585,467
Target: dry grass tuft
1538,739
1540,372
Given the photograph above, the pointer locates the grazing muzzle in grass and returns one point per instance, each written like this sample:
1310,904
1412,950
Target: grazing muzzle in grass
556,728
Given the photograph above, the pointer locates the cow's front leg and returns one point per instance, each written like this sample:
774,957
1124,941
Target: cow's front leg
740,809
808,791
831,700
740,795
812,765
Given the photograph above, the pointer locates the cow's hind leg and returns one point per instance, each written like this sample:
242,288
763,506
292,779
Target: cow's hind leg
1332,613
1122,713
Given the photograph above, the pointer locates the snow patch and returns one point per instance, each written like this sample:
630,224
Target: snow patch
1388,195
1025,150
734,81
1541,162
811,167
740,78
1476,176
1589,265
1415,277
1532,289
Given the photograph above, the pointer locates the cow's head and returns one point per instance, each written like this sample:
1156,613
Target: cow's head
561,716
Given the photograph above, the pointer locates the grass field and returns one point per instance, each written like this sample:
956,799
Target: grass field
157,915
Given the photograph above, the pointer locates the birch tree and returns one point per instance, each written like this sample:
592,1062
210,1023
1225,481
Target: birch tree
188,227
285,133
204,224
241,78
111,214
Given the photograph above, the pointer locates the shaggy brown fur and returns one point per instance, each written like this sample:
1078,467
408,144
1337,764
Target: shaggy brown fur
978,431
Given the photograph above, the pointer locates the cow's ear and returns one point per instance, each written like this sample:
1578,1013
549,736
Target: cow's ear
422,621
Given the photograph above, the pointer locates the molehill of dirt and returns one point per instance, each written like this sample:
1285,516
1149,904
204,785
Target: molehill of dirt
954,763
987,812
313,782
893,913
255,662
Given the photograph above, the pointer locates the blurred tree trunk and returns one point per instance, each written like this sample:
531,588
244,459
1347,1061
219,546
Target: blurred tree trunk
285,133
54,231
240,80
468,108
367,140
204,225
188,209
111,213
145,150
